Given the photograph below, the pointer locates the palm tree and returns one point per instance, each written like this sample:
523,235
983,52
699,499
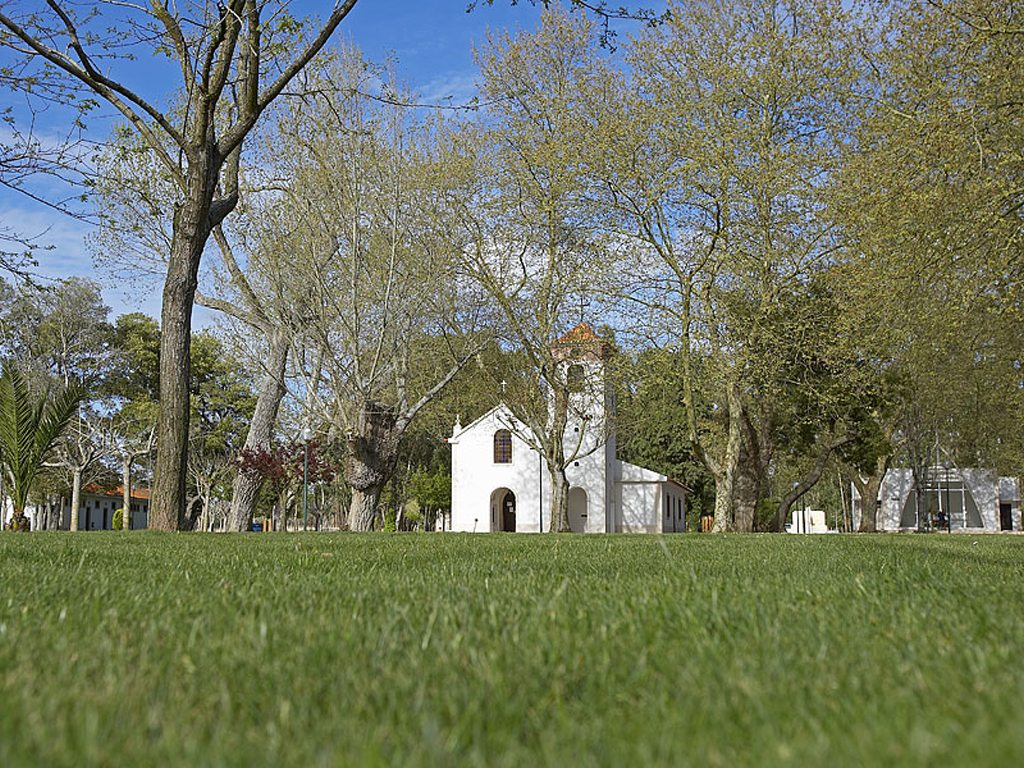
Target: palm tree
28,430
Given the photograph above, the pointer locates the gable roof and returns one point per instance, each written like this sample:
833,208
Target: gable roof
479,419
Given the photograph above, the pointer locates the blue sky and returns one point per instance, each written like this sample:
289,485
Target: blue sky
431,39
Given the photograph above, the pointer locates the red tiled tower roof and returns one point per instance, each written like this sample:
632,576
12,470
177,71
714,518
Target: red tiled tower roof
581,343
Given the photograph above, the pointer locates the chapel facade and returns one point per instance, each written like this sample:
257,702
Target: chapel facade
501,483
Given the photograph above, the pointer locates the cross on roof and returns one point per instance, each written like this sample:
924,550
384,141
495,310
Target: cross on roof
583,304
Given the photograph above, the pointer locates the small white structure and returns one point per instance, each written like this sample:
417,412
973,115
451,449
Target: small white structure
500,483
951,499
96,509
808,521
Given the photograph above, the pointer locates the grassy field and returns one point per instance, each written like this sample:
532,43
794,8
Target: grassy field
504,650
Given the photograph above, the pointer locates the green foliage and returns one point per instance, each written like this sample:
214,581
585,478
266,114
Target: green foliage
431,489
510,650
58,333
651,425
118,521
29,427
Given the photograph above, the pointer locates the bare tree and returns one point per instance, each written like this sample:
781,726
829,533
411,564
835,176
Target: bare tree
388,323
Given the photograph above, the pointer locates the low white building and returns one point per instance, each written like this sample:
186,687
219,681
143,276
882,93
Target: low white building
951,499
500,483
96,509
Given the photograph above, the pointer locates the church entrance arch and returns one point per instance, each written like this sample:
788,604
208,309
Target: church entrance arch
503,510
578,510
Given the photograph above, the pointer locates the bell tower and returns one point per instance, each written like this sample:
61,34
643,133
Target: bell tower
581,357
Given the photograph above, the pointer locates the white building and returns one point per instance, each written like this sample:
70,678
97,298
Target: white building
96,509
953,499
500,483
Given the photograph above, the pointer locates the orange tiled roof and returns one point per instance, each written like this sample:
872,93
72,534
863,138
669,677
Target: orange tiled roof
581,343
116,491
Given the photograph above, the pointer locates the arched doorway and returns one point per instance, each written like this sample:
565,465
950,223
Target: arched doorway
503,510
578,510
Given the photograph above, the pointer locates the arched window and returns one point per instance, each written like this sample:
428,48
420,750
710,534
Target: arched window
575,377
502,447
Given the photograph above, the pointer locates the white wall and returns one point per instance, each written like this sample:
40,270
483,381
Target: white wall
475,475
898,483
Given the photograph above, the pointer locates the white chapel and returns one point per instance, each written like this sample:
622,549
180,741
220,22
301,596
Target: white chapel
500,483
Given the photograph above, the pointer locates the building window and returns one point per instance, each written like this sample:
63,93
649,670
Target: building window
575,378
502,447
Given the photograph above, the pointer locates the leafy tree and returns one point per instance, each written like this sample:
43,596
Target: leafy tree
931,205
57,335
650,419
222,405
287,465
245,281
387,323
433,492
130,395
525,222
716,180
234,60
29,427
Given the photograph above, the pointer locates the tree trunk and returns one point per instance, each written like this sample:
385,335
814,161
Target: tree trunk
193,509
76,497
725,480
559,510
53,508
283,502
126,492
746,492
247,485
58,514
19,522
363,509
868,489
371,452
192,225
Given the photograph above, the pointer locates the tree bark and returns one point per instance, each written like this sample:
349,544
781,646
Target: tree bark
248,484
725,479
868,489
559,509
284,501
372,450
363,509
76,497
555,458
56,514
126,492
19,522
746,491
192,225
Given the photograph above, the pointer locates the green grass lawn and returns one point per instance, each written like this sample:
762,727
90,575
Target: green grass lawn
505,650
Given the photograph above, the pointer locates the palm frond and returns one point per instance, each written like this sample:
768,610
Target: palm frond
29,428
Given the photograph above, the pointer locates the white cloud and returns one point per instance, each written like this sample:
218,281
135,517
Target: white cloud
62,253
452,89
